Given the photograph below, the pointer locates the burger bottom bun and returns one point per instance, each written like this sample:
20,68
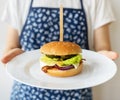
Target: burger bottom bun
65,73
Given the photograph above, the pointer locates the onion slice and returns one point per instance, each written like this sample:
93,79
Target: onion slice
65,67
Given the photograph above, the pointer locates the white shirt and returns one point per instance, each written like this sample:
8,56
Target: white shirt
98,12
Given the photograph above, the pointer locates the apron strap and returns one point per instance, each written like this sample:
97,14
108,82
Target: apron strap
31,3
81,1
30,7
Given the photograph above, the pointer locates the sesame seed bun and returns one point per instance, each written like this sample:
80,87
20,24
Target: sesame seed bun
60,48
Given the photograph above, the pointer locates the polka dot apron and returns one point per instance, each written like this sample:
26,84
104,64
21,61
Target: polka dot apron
42,26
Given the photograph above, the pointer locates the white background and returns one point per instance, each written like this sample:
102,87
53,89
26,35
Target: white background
107,91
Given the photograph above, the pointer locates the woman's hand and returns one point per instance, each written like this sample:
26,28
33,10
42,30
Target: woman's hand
11,54
12,47
110,54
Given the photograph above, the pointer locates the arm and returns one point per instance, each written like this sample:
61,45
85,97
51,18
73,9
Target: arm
102,42
101,38
12,48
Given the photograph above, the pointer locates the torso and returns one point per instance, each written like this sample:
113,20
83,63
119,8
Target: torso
42,26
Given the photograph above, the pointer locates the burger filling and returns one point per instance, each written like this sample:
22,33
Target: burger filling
61,62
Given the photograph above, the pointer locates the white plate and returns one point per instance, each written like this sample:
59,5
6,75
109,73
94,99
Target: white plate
97,70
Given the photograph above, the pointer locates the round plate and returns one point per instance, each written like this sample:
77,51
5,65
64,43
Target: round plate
97,69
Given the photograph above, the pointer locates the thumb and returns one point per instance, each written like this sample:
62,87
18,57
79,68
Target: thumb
110,54
11,54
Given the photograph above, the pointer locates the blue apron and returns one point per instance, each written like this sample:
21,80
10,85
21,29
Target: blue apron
42,26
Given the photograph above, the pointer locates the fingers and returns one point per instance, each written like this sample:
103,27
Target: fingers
110,54
11,54
113,55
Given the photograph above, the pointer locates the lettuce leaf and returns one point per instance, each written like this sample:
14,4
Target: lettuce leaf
73,60
51,61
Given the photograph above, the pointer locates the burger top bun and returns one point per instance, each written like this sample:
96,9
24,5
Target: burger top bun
60,48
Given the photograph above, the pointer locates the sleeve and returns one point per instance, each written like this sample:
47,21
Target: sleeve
10,15
104,13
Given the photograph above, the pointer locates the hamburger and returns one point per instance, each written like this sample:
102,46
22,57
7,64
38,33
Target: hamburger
61,59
